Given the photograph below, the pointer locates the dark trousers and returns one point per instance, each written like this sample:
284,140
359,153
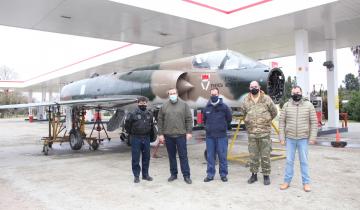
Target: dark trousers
140,145
217,146
173,145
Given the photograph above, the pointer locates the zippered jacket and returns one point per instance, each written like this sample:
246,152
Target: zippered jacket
298,120
175,118
217,119
258,116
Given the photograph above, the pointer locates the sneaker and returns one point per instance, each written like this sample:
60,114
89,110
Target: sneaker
253,178
307,188
172,178
136,180
207,179
147,178
187,180
224,179
284,186
266,180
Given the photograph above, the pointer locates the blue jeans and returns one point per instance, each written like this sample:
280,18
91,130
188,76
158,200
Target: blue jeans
302,146
174,145
140,145
216,146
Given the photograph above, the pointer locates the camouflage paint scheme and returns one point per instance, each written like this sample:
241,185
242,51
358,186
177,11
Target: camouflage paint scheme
193,76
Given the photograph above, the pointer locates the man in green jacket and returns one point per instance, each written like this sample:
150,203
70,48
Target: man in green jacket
298,126
259,111
175,127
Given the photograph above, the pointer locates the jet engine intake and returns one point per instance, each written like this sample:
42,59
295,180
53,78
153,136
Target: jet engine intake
275,84
163,80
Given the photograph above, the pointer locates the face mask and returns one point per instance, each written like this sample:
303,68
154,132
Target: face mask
254,91
173,98
142,107
214,98
296,97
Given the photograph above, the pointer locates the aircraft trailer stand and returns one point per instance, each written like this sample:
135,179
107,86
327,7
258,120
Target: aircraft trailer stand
58,132
98,126
277,153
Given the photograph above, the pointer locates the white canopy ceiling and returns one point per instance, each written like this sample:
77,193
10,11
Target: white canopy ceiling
270,34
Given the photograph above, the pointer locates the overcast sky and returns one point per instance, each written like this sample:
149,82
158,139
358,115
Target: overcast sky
32,53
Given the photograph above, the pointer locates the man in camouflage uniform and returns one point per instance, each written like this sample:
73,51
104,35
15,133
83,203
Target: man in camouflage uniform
259,111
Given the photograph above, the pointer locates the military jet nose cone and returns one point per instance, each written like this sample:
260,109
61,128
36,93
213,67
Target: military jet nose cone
183,86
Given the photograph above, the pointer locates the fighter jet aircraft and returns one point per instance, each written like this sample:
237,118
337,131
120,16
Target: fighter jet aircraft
193,77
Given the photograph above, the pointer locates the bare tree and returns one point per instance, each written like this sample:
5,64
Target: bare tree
6,73
8,96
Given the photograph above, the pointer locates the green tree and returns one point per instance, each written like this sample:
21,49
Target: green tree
352,107
289,83
351,82
356,52
12,97
343,95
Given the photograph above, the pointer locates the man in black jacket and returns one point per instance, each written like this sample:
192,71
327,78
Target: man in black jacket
139,124
217,118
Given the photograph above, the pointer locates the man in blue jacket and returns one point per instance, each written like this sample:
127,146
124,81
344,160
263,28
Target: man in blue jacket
217,118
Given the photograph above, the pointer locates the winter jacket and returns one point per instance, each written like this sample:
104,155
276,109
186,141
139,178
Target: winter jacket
139,122
298,120
175,118
217,119
258,116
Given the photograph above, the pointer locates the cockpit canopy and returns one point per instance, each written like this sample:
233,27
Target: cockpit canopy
224,59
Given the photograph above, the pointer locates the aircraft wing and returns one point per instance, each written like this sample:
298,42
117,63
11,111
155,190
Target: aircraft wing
104,102
20,106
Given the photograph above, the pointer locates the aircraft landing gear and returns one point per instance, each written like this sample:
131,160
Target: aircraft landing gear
98,127
55,127
94,145
75,139
45,149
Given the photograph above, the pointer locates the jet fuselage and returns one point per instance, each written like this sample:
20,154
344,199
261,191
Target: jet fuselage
193,77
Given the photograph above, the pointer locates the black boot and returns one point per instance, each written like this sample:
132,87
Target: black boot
172,178
187,180
136,179
266,180
253,178
147,178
